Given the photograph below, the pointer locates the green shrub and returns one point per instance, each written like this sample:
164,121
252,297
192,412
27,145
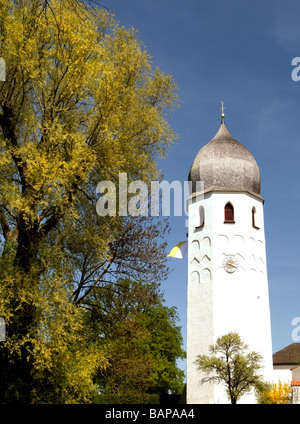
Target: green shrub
135,398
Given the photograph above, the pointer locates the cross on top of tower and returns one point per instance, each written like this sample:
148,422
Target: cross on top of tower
222,114
226,164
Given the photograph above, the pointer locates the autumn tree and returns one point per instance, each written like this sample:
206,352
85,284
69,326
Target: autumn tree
81,103
276,393
231,364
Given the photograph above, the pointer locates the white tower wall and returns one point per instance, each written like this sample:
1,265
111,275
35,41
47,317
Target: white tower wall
220,302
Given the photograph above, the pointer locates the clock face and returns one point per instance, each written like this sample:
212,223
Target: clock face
230,263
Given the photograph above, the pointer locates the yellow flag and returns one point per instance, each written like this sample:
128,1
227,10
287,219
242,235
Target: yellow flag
179,250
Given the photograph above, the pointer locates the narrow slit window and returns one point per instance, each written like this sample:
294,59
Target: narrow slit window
201,216
228,213
254,218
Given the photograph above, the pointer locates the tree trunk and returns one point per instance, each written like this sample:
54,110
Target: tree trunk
16,368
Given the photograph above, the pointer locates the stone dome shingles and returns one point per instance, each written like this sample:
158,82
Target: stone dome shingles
224,164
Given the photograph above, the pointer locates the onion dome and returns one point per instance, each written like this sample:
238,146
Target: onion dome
224,164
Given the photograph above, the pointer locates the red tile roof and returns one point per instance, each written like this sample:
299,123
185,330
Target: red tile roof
295,383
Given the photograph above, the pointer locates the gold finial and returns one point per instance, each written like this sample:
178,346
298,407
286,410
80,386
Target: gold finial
222,114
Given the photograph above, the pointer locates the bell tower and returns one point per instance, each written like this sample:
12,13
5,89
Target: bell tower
227,273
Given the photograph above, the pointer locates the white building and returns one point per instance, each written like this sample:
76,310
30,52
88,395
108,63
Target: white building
227,273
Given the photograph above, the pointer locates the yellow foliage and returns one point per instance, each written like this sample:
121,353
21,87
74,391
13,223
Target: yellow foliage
279,393
62,354
92,102
81,103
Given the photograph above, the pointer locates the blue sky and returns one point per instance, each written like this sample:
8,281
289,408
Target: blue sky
239,52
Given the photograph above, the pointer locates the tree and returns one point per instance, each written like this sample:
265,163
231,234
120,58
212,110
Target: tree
232,365
276,393
142,341
81,103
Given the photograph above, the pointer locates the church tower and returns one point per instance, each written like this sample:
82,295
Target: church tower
227,273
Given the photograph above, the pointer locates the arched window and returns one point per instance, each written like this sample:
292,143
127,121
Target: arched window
228,213
201,217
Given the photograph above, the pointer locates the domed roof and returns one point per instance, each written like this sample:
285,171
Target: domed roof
224,164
